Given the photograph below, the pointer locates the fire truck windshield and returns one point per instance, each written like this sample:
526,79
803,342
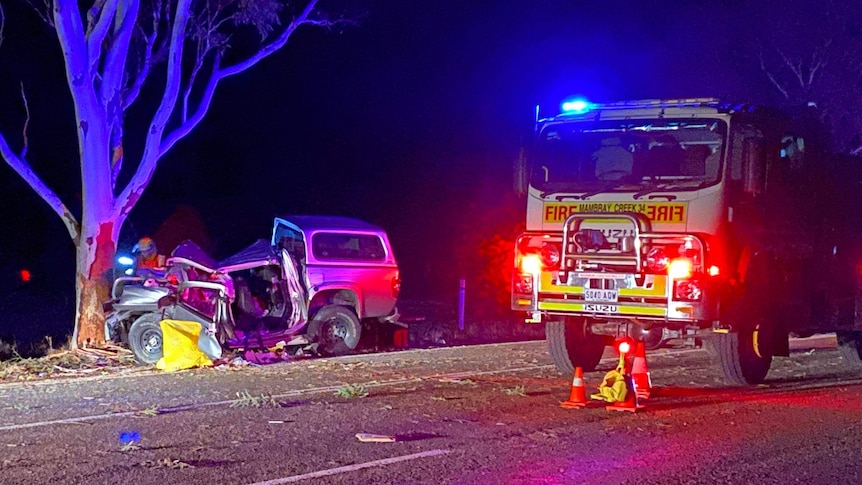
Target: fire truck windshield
574,156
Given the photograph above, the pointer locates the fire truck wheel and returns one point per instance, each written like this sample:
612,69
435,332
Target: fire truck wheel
743,355
850,346
145,338
337,329
571,345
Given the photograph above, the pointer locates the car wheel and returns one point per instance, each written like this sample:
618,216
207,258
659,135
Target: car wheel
145,338
337,330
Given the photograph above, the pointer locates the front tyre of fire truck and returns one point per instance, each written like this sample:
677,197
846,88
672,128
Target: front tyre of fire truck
850,347
742,355
745,351
571,344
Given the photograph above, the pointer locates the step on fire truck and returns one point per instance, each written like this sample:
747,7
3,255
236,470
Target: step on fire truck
722,223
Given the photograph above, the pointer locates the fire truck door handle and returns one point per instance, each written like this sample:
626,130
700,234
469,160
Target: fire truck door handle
662,196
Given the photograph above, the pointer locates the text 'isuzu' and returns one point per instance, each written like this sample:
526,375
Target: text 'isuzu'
717,222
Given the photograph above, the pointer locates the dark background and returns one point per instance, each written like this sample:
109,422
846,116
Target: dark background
410,120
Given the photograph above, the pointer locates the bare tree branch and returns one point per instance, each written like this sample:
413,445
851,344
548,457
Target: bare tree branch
188,125
148,57
796,69
2,23
22,168
70,28
115,61
97,31
23,154
219,74
44,13
130,195
772,78
275,45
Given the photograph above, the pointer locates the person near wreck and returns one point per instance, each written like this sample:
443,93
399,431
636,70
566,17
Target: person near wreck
148,260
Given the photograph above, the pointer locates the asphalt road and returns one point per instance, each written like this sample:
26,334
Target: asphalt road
483,414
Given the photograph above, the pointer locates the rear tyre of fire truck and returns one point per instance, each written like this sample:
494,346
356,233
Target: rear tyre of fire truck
571,345
337,329
850,347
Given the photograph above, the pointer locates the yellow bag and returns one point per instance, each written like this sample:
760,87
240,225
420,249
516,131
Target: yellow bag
613,388
180,346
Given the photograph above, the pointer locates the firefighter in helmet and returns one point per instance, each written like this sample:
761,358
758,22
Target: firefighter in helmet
148,257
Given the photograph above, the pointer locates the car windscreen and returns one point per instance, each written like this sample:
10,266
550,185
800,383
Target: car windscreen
586,155
334,246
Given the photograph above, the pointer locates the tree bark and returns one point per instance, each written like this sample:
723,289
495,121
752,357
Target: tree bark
95,253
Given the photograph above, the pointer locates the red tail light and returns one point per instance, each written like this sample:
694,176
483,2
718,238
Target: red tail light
396,285
687,290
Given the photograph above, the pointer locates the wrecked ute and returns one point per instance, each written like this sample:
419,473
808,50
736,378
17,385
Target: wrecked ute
312,284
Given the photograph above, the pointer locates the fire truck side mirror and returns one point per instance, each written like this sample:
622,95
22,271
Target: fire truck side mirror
520,172
754,166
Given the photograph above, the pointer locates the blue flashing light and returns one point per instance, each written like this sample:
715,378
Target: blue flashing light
575,106
130,437
129,272
125,261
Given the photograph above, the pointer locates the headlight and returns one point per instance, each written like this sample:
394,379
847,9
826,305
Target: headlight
550,256
657,260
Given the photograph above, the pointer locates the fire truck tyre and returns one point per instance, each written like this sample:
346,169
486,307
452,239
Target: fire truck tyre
145,338
571,346
740,357
337,329
850,346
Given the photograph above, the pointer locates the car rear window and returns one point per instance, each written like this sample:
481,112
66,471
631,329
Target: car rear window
328,246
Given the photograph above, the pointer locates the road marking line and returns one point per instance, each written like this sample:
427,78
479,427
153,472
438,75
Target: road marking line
300,392
351,468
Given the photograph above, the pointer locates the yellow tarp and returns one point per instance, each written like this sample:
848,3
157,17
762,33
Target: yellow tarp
180,346
613,387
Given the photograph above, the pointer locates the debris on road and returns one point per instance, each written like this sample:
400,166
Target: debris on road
374,438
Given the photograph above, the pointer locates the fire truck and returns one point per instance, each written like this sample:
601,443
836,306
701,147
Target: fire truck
722,223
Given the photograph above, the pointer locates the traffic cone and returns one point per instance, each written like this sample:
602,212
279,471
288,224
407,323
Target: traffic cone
631,403
578,395
640,372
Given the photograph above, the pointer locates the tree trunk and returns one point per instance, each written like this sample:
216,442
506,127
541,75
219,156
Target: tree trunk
95,252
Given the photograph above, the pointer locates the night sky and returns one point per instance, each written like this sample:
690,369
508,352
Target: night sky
410,119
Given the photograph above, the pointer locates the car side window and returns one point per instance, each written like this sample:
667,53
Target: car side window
329,246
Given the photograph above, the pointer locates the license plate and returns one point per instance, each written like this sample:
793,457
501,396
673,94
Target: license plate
600,295
592,307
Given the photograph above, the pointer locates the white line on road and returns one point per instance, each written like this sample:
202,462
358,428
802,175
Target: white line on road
300,392
351,468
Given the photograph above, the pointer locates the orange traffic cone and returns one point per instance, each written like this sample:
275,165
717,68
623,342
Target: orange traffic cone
631,403
578,395
640,372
